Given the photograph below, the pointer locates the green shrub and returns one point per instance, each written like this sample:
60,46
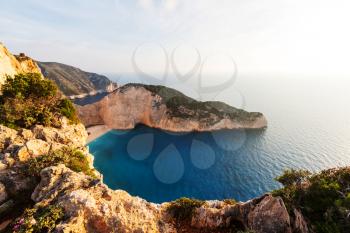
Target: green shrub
72,158
290,177
68,110
230,201
182,209
39,220
28,99
323,198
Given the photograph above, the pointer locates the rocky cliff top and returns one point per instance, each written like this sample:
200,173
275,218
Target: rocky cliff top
11,65
165,108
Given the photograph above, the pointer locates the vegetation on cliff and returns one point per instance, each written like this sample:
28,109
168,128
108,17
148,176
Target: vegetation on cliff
37,220
182,209
182,106
323,198
72,158
74,81
28,99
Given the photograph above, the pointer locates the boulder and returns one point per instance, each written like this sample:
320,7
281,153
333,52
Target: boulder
269,216
22,154
37,147
26,134
6,134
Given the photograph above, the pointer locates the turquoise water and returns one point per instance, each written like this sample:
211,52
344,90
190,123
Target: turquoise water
309,127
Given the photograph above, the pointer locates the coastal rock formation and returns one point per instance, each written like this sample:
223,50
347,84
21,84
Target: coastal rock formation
90,206
74,82
11,65
165,108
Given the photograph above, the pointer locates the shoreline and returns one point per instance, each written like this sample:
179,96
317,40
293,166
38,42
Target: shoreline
96,131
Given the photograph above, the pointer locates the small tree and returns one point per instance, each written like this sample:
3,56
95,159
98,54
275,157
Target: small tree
29,99
293,177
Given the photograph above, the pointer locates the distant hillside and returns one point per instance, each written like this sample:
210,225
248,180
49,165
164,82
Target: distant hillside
75,82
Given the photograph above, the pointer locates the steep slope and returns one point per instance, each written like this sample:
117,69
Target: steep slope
11,65
75,82
165,108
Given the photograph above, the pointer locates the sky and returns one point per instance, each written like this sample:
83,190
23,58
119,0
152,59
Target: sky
307,37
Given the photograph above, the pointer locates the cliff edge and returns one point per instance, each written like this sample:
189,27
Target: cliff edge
167,109
59,199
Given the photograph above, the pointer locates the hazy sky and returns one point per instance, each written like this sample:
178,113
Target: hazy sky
279,36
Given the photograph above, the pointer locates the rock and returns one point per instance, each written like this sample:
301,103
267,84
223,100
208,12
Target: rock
3,193
270,216
92,207
26,134
18,186
6,134
267,214
37,147
11,65
70,135
22,154
299,223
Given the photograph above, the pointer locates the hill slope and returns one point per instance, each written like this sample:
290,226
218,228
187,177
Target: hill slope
75,82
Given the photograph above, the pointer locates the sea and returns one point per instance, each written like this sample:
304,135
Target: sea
308,128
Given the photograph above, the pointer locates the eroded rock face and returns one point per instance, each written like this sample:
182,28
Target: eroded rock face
136,104
264,214
11,65
90,206
17,147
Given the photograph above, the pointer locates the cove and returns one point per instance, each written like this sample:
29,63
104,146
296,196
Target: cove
161,166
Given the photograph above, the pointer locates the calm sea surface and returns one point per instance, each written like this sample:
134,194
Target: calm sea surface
309,127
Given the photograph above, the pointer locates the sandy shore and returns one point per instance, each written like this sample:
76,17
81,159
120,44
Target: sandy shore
96,131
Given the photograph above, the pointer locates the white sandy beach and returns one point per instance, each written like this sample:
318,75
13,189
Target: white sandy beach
96,131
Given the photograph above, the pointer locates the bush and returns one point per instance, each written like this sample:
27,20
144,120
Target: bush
39,220
230,201
68,110
323,198
28,99
72,158
292,176
182,209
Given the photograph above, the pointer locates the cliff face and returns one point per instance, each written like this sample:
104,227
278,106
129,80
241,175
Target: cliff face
90,206
11,65
74,82
165,108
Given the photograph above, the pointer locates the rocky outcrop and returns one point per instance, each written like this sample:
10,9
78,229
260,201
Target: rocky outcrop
90,206
165,108
74,82
11,65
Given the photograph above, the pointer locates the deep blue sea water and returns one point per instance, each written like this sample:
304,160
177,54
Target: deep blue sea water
309,127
